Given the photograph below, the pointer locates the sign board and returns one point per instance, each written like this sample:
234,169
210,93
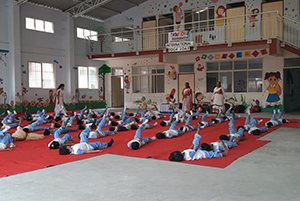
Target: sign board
179,46
178,36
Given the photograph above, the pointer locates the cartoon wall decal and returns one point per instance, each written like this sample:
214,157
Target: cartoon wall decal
24,72
40,99
127,84
51,96
200,67
77,95
129,19
143,102
1,80
199,97
178,15
220,12
252,17
172,93
273,88
172,74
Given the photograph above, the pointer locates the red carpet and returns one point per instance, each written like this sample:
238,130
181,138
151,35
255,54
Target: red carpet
34,155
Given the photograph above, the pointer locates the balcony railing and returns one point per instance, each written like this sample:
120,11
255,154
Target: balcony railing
269,25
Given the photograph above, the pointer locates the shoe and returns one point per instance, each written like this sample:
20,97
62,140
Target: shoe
8,112
155,124
153,138
12,145
15,112
110,143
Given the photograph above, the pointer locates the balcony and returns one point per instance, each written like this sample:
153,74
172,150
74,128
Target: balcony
225,31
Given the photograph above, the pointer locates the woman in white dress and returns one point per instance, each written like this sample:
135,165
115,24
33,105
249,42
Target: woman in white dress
59,100
218,98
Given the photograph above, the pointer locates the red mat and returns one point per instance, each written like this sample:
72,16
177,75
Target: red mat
34,155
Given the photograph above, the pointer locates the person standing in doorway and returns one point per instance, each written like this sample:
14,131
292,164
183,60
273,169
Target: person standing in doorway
59,100
187,100
218,98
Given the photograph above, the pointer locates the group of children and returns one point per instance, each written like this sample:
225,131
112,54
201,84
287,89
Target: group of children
91,125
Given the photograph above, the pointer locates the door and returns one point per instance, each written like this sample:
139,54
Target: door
149,35
165,21
117,91
291,92
182,79
235,28
270,20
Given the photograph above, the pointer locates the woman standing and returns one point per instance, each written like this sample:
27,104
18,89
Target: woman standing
218,98
59,100
187,101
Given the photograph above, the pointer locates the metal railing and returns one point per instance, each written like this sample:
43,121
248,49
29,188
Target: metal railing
268,25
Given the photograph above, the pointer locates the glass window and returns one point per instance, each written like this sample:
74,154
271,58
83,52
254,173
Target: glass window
39,25
30,24
226,65
148,79
212,66
226,80
80,33
41,75
240,81
48,75
186,68
255,81
93,78
291,62
35,75
117,71
49,27
211,81
87,34
255,64
82,77
122,34
238,65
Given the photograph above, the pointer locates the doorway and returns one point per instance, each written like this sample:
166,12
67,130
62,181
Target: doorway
182,79
235,30
291,92
117,89
149,34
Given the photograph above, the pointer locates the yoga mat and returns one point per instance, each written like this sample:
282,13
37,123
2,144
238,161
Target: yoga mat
34,155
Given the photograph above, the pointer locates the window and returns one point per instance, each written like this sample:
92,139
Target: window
117,71
87,77
235,76
148,79
41,75
39,25
87,34
122,34
201,19
186,68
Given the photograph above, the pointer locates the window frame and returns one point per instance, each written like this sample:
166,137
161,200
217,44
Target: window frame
196,24
88,77
90,37
41,87
113,38
44,27
149,75
232,70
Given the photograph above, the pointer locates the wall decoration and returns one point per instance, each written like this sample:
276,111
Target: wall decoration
143,102
264,51
233,100
255,53
102,71
204,56
252,16
200,68
197,58
129,19
248,54
51,96
217,56
24,91
273,88
199,97
75,68
24,72
212,37
239,55
40,99
220,12
178,15
77,95
172,74
210,57
127,83
1,80
83,96
290,9
172,93
231,56
224,56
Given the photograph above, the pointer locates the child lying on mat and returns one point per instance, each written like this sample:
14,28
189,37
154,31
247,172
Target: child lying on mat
230,114
205,123
5,141
273,122
137,141
98,133
194,152
219,146
58,141
172,132
84,147
167,123
218,119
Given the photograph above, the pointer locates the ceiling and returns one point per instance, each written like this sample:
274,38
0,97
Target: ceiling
95,9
